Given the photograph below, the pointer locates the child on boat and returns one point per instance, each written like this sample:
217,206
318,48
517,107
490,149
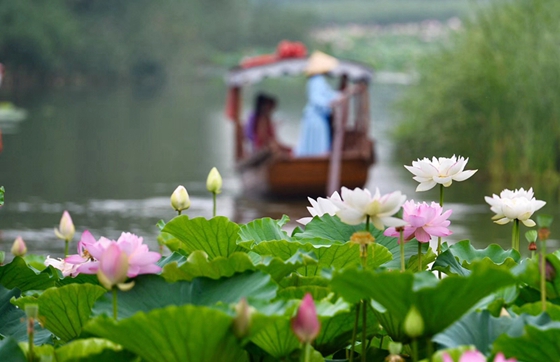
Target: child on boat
260,129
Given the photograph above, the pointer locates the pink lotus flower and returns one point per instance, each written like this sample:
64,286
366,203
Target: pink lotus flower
139,258
424,221
305,324
476,356
113,267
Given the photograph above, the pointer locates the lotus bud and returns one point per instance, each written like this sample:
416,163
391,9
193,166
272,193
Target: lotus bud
2,257
66,228
243,318
395,349
544,222
180,199
19,248
214,181
413,323
305,324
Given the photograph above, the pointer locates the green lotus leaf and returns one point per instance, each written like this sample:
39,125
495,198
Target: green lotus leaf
262,230
12,320
216,237
538,343
553,310
93,349
198,265
335,256
176,256
10,351
467,254
17,274
296,280
35,261
331,228
440,302
428,256
299,292
336,329
153,292
79,279
448,264
184,333
276,337
481,329
529,273
494,302
64,310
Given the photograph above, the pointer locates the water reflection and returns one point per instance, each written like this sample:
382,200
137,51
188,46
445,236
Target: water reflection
113,159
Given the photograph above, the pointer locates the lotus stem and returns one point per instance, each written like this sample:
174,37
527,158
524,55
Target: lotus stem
543,275
419,256
415,350
66,242
178,212
401,244
367,223
364,330
30,337
515,235
115,307
214,200
307,352
430,350
354,333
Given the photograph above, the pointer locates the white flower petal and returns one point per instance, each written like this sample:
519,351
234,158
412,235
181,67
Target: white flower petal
425,186
464,175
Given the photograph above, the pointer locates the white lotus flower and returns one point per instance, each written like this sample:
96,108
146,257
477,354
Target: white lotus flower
439,171
60,264
511,205
321,207
357,204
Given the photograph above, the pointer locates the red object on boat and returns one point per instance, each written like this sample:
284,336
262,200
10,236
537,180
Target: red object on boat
258,60
289,49
285,49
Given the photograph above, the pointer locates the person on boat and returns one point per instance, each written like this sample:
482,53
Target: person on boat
315,135
260,129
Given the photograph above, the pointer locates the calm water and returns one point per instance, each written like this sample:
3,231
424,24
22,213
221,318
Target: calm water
114,156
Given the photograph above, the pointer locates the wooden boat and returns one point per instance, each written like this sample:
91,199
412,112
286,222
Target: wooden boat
270,174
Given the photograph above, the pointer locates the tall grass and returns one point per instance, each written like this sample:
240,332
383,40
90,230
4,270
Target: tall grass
493,96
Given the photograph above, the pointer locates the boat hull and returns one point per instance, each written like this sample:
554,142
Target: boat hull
302,176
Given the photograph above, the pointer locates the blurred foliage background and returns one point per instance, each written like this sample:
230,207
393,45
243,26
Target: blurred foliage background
485,73
493,94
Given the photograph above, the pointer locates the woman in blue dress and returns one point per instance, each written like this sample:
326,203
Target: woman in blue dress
315,137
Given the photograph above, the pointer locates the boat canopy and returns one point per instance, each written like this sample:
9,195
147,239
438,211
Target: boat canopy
240,76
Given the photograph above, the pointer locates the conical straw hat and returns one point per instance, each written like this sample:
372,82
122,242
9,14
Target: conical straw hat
319,63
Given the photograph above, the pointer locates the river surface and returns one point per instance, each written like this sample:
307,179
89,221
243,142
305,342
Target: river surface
112,157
